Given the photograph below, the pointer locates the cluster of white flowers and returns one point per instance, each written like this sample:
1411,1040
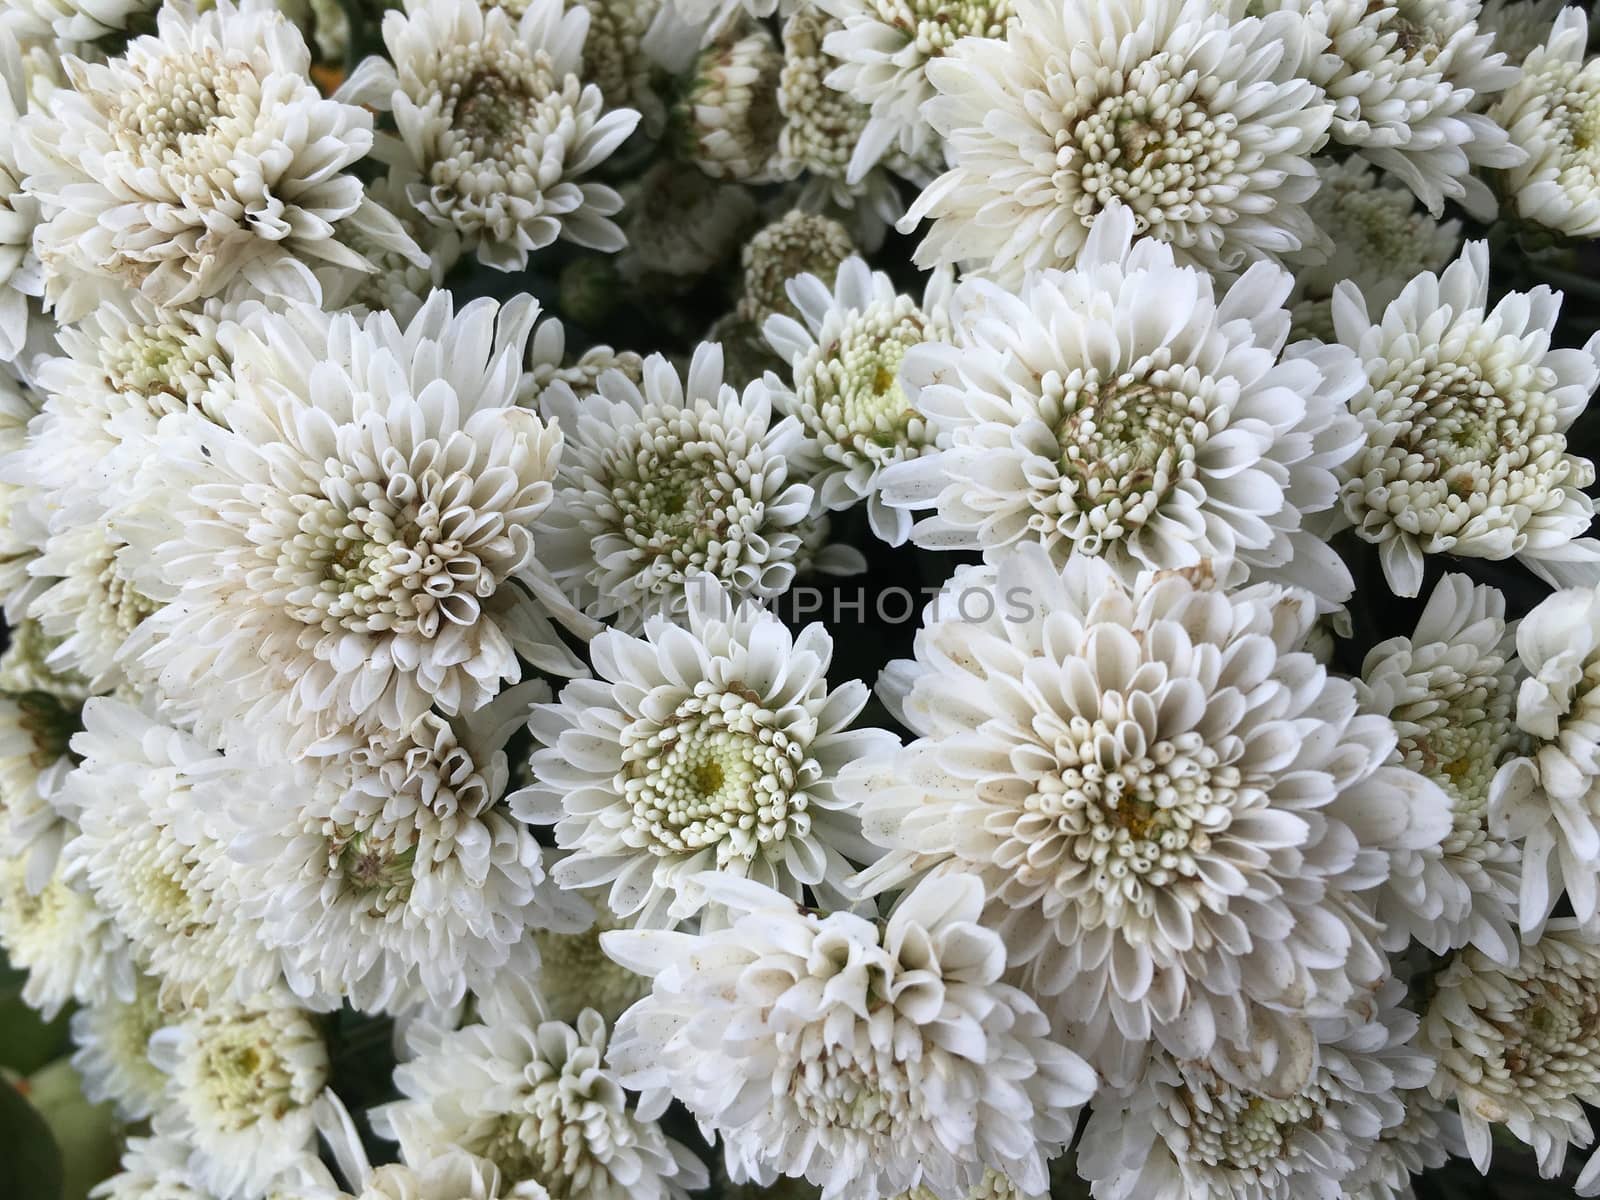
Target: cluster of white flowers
827,599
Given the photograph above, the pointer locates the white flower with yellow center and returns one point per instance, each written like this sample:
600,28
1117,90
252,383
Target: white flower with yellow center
575,973
203,161
358,546
496,121
393,872
1449,688
668,478
883,50
843,383
1553,112
1124,409
1409,80
825,1046
66,943
1168,860
1202,125
535,1098
712,743
1549,799
243,1083
1183,1133
148,854
727,119
1466,410
1381,241
1519,1046
112,1037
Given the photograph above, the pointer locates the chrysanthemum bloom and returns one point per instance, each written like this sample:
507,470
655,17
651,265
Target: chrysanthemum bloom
243,1082
1549,799
662,480
842,383
401,277
1409,80
1202,125
164,1167
826,1046
1165,858
25,665
616,61
822,128
90,604
1466,410
453,1175
681,223
1124,410
550,363
1553,112
76,23
797,243
36,729
1519,26
21,281
1449,689
575,973
1428,1136
112,1055
495,118
358,545
726,121
148,854
1520,1046
202,161
535,1098
393,872
19,535
711,743
1381,241
1182,1133
883,49
64,941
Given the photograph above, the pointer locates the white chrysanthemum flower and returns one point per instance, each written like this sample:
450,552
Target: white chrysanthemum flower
1183,1133
453,1175
658,481
1200,124
201,162
575,973
1381,241
1520,1046
90,604
112,1037
62,939
1466,410
727,117
1408,80
1165,858
359,545
36,729
550,363
25,665
495,119
402,276
711,743
883,49
1549,799
616,60
394,872
843,383
1449,688
1553,112
76,23
682,223
21,280
1125,410
797,243
1519,26
20,535
867,1058
149,855
1427,1138
822,128
243,1082
163,1168
535,1098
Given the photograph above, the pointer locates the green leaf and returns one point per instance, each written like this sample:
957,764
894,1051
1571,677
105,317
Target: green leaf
30,1164
27,1041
